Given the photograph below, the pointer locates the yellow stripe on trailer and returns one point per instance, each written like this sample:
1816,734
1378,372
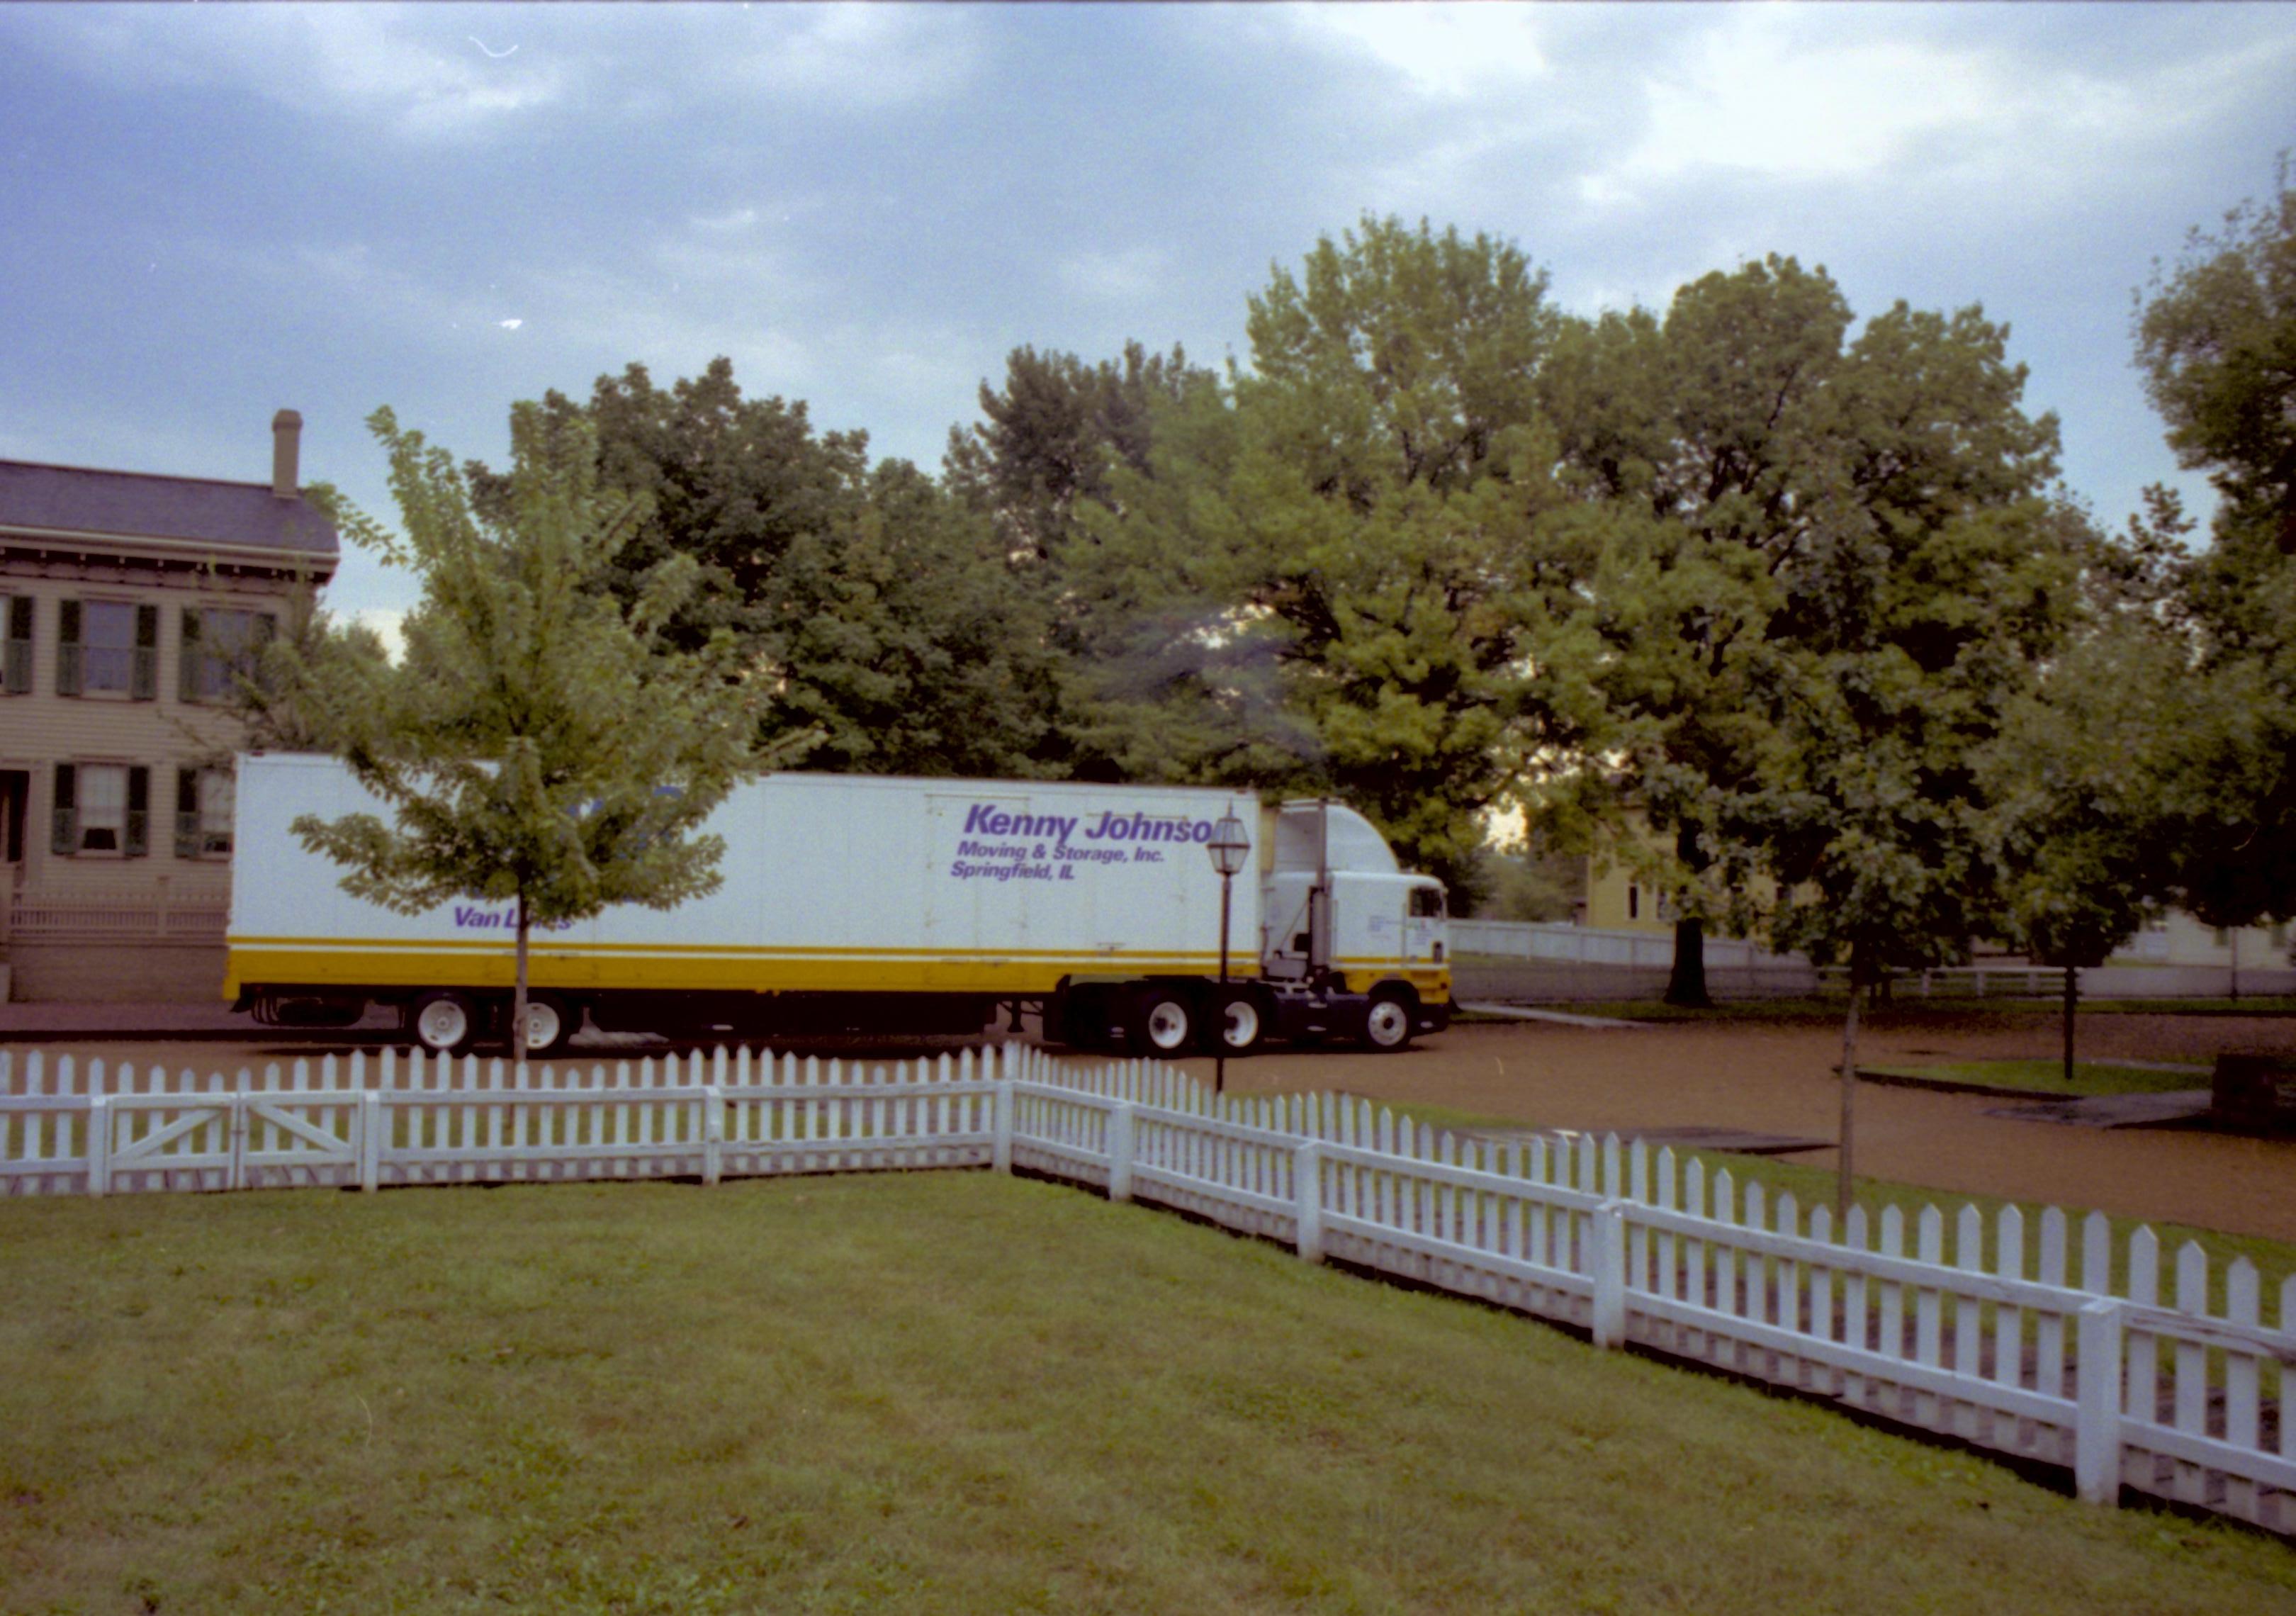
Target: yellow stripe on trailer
375,962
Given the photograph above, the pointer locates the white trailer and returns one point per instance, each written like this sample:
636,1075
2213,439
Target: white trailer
853,902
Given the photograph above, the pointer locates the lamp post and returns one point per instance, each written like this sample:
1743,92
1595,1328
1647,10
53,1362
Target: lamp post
1228,848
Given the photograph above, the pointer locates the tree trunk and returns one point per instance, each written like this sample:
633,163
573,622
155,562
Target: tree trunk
1687,984
2072,993
517,993
2233,981
1848,1097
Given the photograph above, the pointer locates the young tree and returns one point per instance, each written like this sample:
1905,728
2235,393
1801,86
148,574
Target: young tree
2081,828
1911,642
541,742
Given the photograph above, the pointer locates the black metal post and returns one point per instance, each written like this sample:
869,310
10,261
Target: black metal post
1219,1011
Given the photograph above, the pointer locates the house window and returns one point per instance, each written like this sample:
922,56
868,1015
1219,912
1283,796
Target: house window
222,645
203,804
107,647
16,650
102,808
1634,901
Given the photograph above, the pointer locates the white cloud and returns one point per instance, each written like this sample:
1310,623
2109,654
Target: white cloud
868,56
1799,93
1115,276
1755,97
1442,51
400,67
731,221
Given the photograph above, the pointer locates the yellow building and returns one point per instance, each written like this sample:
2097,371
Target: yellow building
1618,900
130,604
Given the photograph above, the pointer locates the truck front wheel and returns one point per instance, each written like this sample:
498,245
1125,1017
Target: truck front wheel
445,1022
1164,1020
1387,1021
1241,1022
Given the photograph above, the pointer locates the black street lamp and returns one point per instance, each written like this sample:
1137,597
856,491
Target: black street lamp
1228,848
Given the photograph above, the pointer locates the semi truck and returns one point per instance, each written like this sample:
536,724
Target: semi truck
880,904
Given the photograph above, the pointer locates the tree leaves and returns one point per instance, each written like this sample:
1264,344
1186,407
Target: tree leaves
542,739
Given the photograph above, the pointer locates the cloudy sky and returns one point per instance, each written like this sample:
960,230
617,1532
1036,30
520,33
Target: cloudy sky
209,212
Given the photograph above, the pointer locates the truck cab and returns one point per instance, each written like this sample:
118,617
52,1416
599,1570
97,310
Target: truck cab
1351,944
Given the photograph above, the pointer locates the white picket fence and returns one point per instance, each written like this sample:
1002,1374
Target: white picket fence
70,1128
2034,1339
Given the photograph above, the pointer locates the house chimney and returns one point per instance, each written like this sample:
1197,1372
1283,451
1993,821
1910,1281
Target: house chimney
286,444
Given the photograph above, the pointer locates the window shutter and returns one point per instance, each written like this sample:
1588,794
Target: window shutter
144,684
68,648
187,658
67,831
187,811
16,676
139,806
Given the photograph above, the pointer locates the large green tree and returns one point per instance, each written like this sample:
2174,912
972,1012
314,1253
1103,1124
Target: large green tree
883,609
1048,445
542,741
1341,558
2216,338
1740,460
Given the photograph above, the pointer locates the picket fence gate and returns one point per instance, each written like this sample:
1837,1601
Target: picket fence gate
2032,1339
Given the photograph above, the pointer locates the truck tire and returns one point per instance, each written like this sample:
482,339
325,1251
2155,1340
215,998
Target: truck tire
1387,1021
1238,1023
1164,1020
444,1021
550,1021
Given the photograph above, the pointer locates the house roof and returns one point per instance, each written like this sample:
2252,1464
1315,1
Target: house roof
195,511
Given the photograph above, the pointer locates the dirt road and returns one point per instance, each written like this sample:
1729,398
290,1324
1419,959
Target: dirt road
1781,1080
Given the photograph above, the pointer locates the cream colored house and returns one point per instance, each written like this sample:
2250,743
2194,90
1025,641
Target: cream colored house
129,603
1617,900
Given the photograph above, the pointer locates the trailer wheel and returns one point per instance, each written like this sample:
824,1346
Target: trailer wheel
1164,1021
1241,1022
445,1022
1387,1021
549,1023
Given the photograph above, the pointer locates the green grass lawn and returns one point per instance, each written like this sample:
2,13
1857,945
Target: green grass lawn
927,1392
2046,1077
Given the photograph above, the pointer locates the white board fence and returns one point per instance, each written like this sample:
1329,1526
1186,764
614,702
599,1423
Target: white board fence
2037,1339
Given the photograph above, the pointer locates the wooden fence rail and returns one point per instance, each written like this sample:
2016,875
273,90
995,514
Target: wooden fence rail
2028,1337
